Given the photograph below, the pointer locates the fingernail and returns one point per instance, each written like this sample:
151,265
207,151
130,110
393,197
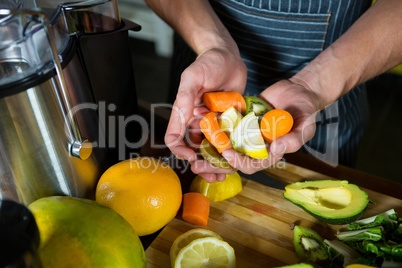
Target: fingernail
278,148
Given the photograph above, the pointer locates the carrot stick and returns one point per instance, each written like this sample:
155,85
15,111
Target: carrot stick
275,124
210,127
195,208
220,101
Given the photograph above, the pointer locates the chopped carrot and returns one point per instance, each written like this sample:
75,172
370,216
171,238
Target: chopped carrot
220,101
210,127
275,124
195,208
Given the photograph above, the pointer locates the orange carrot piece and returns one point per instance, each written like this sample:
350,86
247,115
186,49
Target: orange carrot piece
275,124
210,127
195,208
220,101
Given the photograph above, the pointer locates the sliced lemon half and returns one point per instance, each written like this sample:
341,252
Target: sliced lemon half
246,138
229,119
206,252
218,190
186,238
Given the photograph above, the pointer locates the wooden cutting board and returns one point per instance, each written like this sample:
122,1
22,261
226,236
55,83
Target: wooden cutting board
256,222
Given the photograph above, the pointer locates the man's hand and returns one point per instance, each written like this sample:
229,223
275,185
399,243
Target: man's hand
214,70
303,105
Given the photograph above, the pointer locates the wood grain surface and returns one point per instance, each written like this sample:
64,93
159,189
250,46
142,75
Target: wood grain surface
256,222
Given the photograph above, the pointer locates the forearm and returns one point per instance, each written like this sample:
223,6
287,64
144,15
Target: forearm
195,21
370,47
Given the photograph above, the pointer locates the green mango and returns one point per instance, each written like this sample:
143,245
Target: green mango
76,232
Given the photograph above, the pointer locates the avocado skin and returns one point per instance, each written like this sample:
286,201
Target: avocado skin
339,220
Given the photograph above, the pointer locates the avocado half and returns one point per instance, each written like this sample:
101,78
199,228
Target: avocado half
331,201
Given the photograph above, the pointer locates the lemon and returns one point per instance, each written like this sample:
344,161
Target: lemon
247,139
206,252
228,120
184,239
218,190
209,153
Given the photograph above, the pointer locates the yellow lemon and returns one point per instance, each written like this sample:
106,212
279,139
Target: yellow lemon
229,119
144,190
206,252
218,190
184,239
247,139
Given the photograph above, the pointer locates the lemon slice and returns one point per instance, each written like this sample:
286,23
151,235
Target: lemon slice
209,153
184,239
206,252
246,138
228,120
218,190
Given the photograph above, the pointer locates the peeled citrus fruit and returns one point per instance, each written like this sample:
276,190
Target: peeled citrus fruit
76,232
206,252
144,190
218,190
184,239
247,139
229,120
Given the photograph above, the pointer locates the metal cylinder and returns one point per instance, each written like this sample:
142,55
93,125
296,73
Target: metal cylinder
35,158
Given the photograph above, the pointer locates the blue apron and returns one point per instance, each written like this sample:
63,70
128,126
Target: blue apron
277,38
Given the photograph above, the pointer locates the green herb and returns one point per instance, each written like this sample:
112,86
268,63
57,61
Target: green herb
373,234
374,241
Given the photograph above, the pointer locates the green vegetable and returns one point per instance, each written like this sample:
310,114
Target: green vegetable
391,225
331,201
309,245
374,241
340,254
374,234
376,238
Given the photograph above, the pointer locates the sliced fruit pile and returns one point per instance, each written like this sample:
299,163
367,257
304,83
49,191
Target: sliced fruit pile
201,248
242,123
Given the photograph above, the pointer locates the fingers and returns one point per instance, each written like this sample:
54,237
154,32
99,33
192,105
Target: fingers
182,113
175,134
211,177
249,165
202,166
210,172
303,131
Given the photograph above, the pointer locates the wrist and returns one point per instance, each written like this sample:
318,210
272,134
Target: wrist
212,39
326,77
